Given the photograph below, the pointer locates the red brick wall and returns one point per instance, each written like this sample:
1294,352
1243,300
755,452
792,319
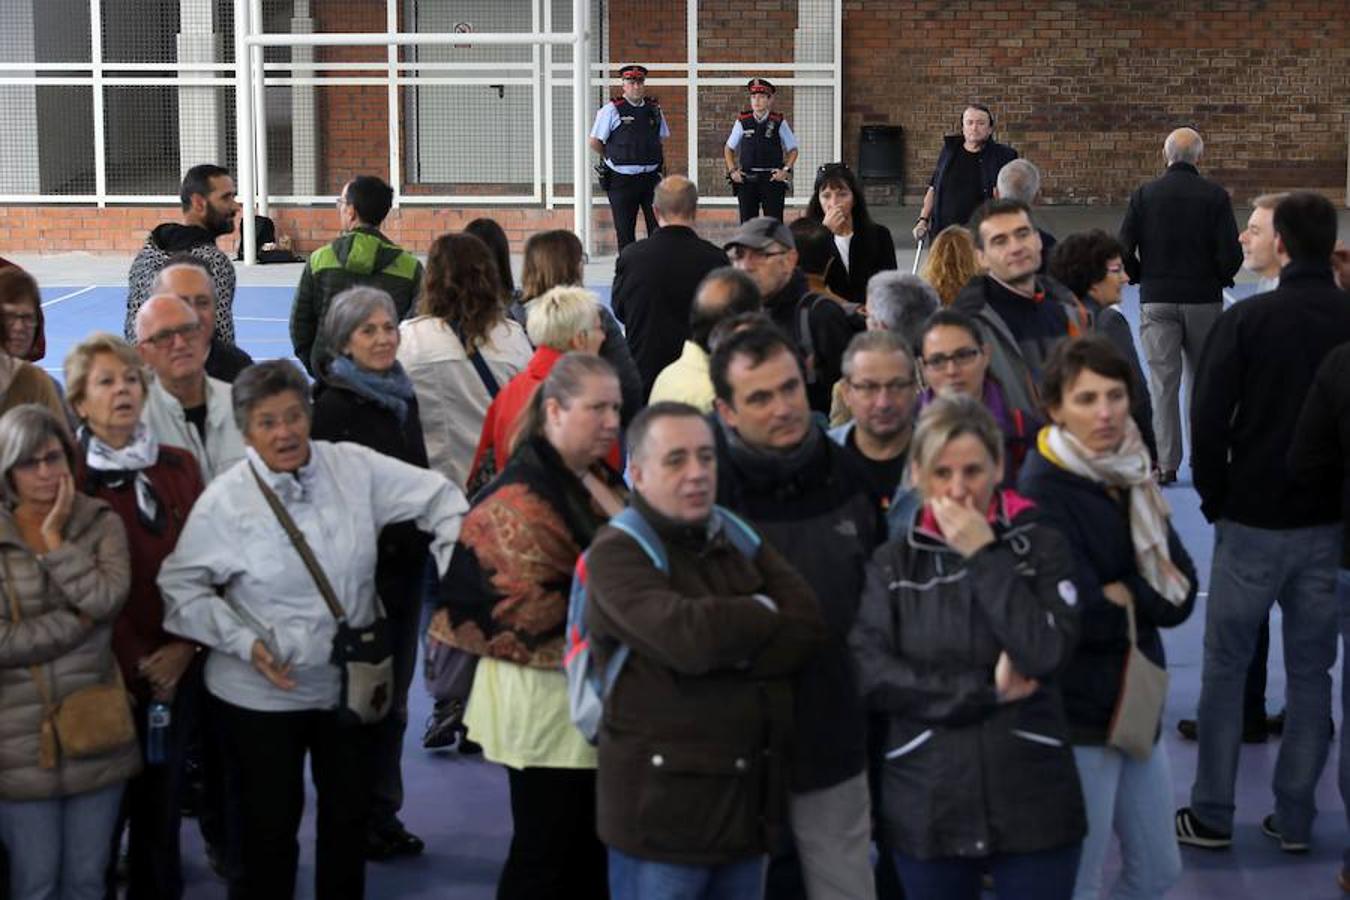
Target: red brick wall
1088,90
1085,89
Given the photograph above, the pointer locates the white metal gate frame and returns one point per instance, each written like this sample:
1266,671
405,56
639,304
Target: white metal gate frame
249,76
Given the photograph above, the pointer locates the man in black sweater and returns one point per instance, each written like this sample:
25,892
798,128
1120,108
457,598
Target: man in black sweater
1276,537
655,279
1181,247
814,503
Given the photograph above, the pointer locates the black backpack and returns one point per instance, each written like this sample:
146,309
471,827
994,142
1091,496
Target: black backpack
265,232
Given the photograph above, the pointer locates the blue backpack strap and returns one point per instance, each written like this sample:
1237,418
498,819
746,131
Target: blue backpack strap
741,533
631,523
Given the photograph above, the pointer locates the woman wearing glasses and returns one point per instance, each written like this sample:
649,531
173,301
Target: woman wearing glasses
955,360
1089,264
862,247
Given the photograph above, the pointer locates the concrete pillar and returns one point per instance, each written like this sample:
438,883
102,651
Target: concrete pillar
304,111
201,110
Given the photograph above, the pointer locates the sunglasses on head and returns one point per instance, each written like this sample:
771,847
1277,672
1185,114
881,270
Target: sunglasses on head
833,167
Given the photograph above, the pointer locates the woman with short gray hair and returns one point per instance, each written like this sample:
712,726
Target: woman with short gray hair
366,398
65,570
289,535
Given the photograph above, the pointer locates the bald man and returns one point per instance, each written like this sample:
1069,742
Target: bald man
185,407
1181,248
188,278
655,279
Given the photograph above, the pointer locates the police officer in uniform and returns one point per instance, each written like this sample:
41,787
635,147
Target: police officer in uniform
627,134
767,151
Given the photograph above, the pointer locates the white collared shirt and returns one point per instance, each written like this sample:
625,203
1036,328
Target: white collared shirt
339,500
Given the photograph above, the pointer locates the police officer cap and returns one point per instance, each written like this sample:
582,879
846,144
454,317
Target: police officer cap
760,232
761,86
633,71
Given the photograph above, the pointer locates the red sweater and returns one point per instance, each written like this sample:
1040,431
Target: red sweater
494,445
139,628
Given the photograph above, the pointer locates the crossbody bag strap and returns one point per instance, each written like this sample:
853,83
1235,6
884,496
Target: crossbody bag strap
301,546
479,364
15,614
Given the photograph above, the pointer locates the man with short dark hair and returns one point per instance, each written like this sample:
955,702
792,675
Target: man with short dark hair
1023,314
816,255
714,642
360,256
1021,180
187,277
814,502
209,207
966,172
655,279
723,294
1181,248
881,390
1277,537
765,249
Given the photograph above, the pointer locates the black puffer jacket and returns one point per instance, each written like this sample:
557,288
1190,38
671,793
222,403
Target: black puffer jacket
963,774
1097,528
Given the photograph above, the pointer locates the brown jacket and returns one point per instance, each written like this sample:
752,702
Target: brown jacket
90,573
694,741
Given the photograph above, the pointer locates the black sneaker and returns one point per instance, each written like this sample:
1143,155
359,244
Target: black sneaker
1191,830
1269,830
466,747
441,732
1188,729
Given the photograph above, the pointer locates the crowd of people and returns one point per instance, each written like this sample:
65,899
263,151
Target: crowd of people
867,571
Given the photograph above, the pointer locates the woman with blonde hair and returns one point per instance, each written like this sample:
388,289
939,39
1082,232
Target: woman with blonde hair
459,349
554,259
951,262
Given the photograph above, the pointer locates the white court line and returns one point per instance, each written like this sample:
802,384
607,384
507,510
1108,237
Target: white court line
259,319
68,296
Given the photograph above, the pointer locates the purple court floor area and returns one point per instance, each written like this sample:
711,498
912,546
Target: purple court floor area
459,806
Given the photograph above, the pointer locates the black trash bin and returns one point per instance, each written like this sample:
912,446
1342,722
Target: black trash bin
881,154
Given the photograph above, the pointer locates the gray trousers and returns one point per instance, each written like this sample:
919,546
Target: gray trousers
1173,334
833,832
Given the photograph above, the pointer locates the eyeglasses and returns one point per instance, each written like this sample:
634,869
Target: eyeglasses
163,340
963,357
341,202
869,390
52,459
738,253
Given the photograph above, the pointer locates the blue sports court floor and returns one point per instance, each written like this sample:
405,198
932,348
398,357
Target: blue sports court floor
460,806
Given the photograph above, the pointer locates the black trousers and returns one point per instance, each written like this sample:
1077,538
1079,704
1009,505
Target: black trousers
405,628
628,193
554,852
265,759
153,801
759,193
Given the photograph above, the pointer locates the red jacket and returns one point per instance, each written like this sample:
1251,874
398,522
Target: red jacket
494,445
139,628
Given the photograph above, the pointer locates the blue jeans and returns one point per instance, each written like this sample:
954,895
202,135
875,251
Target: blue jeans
631,878
1134,800
1343,603
1253,568
1043,875
59,848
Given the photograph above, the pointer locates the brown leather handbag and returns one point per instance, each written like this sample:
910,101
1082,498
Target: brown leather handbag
88,722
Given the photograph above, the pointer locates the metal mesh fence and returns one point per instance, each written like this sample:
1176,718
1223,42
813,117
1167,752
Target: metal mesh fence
44,31
48,141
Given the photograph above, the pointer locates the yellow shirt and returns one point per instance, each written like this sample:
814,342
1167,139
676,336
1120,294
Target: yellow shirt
686,380
519,714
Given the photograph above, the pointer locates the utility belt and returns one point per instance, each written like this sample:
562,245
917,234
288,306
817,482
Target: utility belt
606,177
757,176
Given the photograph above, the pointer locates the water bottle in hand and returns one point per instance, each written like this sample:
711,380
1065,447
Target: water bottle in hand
157,737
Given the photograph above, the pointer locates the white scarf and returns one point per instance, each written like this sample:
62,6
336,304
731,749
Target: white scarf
140,453
1129,468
